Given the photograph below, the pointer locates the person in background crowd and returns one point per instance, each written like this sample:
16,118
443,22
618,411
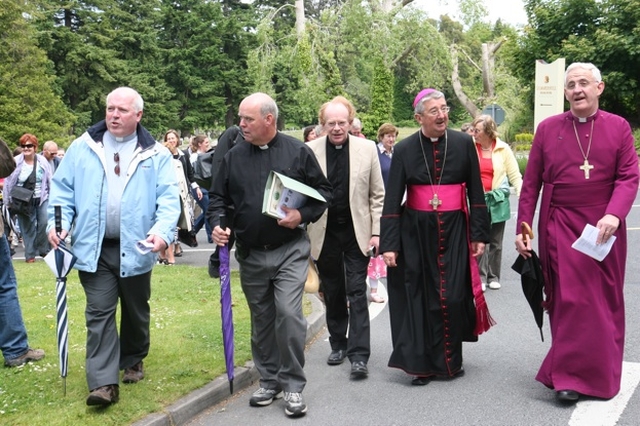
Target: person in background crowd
273,254
33,224
499,171
50,152
309,133
200,144
429,244
342,238
60,154
467,128
356,128
377,270
586,165
118,186
14,343
185,183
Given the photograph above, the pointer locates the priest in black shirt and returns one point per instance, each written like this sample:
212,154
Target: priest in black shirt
273,254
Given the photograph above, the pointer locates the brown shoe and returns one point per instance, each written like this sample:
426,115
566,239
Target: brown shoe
104,395
29,355
133,374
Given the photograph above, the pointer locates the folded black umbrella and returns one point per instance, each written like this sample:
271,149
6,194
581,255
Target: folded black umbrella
532,280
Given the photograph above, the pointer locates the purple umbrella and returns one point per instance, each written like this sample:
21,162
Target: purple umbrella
61,260
225,306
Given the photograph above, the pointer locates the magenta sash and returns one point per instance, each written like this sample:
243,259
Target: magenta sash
453,197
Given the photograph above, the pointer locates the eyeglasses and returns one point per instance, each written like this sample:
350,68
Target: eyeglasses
435,111
582,83
116,158
476,130
28,145
332,124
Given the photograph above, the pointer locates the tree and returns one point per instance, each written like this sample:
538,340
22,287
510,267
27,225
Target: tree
78,41
606,33
28,103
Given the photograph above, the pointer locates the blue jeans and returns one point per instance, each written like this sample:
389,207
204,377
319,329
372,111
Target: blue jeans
13,335
201,220
34,230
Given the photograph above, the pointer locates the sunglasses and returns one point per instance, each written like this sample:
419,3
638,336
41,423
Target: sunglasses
28,145
116,158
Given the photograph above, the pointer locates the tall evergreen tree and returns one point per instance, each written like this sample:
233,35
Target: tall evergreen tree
192,44
28,103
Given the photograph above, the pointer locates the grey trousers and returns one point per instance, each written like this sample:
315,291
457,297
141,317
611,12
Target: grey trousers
106,353
273,284
491,260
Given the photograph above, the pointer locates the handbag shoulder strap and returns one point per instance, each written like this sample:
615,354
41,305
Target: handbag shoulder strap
30,183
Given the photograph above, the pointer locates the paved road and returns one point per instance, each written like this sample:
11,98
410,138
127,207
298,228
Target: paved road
497,389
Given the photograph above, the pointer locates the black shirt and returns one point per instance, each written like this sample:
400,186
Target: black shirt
241,181
338,175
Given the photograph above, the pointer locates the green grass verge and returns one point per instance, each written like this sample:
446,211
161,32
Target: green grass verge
186,348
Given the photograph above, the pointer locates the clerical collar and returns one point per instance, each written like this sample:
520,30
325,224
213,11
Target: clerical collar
584,119
124,139
338,146
263,147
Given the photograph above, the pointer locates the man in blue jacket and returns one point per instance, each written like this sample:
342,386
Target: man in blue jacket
116,187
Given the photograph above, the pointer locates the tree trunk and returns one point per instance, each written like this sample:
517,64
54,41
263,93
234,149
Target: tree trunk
300,18
471,108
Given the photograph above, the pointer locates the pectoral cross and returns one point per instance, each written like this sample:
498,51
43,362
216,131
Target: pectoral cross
435,202
586,167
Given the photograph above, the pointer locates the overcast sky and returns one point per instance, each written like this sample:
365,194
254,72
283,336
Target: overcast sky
511,11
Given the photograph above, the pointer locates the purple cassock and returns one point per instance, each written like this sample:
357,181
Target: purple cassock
584,297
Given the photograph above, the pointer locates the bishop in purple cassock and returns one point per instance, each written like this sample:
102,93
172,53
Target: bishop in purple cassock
586,165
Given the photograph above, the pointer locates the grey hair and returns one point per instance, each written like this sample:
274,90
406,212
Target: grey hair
419,109
138,103
269,107
588,66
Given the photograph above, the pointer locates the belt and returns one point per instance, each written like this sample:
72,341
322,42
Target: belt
266,247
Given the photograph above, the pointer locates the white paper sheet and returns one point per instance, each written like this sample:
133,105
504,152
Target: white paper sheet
586,243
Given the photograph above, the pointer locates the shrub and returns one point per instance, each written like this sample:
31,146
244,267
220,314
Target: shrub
522,163
524,138
636,137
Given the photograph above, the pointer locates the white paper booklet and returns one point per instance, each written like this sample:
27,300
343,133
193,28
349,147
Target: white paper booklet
586,243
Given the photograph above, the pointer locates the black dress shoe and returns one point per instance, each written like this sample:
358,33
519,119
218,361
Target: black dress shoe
337,357
359,370
568,396
421,380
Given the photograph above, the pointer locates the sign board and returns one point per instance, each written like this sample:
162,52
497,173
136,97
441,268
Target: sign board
549,90
496,112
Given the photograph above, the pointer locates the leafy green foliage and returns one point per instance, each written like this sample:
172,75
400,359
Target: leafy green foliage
606,33
28,101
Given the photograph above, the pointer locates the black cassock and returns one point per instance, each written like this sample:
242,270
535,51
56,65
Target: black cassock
431,302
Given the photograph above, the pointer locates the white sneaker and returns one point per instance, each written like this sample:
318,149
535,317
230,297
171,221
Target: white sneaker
294,404
494,285
484,287
263,397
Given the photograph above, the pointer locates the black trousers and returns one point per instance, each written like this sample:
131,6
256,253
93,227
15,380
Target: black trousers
343,273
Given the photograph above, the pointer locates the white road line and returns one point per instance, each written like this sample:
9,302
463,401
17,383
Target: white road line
607,413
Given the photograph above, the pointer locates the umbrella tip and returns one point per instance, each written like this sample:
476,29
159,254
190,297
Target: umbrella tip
231,387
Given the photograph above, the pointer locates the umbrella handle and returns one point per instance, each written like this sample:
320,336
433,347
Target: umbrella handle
58,219
223,221
525,229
